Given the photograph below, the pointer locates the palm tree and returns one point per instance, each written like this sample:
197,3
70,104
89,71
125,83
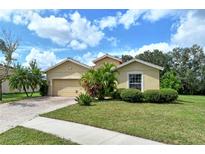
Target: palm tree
20,79
109,78
101,82
36,76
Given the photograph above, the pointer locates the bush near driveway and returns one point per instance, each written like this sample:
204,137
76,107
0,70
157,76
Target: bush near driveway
84,99
44,88
160,96
131,95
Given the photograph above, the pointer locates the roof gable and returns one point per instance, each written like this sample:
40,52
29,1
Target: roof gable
67,60
140,61
107,56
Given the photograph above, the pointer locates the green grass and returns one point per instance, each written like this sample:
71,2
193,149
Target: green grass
25,136
11,97
179,123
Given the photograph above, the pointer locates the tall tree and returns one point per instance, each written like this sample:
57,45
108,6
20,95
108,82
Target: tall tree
156,57
170,80
126,58
36,77
8,45
189,63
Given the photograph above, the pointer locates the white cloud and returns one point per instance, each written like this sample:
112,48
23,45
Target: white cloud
17,16
191,29
86,58
5,15
154,15
130,18
127,19
74,44
77,32
54,28
108,22
163,46
44,59
85,32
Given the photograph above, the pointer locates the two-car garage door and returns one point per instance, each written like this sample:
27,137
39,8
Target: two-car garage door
66,87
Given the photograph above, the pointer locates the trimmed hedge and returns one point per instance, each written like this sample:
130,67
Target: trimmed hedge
168,95
131,95
160,96
151,96
116,93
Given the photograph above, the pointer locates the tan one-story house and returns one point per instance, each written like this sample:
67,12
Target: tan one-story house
64,77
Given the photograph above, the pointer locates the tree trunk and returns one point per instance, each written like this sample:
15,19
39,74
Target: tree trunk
24,88
0,90
33,90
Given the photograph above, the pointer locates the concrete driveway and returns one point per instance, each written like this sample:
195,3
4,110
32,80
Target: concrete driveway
13,114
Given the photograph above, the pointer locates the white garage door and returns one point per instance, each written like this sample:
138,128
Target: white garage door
66,87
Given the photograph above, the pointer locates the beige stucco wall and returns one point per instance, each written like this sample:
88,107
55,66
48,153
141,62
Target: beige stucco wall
150,75
7,89
5,84
106,60
67,70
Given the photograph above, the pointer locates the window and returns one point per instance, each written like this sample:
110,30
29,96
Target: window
135,81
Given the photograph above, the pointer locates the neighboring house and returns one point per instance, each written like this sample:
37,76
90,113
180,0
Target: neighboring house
64,78
5,83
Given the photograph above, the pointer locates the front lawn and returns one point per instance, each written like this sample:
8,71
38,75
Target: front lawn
10,97
179,123
26,136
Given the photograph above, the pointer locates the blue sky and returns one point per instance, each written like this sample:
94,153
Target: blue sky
49,36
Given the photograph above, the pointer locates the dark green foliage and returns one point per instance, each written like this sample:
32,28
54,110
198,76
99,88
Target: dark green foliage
160,96
44,88
126,58
84,99
156,57
100,82
168,95
116,93
189,64
152,96
20,79
26,78
170,80
131,95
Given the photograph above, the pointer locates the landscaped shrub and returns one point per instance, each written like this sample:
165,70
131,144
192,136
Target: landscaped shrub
84,99
44,88
131,95
160,96
168,95
152,96
116,93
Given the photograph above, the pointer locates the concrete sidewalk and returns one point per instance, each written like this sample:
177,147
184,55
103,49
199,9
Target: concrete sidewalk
84,134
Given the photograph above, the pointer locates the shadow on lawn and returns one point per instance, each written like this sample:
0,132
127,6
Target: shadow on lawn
180,102
183,101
